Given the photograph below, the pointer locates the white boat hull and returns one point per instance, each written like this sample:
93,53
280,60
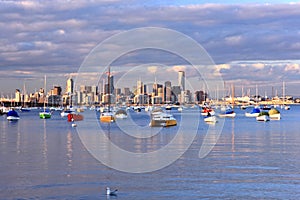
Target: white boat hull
275,117
232,115
251,114
211,119
263,118
121,116
12,118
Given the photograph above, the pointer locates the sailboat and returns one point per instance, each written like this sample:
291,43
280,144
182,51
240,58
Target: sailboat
107,115
45,114
12,115
24,108
286,107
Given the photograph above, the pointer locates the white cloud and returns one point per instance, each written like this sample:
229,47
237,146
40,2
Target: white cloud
294,67
177,68
258,65
234,40
218,68
152,69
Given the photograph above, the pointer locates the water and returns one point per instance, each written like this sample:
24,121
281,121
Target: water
45,159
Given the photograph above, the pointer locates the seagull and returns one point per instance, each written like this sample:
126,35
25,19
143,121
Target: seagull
111,193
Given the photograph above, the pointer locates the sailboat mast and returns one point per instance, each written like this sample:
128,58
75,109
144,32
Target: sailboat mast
109,92
232,95
45,95
24,93
283,92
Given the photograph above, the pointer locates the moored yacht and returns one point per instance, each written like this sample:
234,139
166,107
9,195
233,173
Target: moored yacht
12,115
162,120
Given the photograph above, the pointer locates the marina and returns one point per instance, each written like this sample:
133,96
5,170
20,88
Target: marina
250,160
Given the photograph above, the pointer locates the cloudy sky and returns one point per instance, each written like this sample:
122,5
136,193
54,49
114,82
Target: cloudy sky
251,42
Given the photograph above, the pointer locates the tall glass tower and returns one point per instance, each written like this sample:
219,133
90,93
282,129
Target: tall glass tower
181,80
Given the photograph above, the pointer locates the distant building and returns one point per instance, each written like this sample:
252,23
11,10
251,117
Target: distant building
139,88
109,87
200,96
56,90
54,100
141,99
168,92
95,89
127,91
68,96
155,88
176,91
157,100
181,80
17,96
70,86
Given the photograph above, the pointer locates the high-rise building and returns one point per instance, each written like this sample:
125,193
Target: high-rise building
168,92
17,96
95,89
111,84
181,80
175,93
155,88
200,96
140,88
56,90
160,93
70,86
109,87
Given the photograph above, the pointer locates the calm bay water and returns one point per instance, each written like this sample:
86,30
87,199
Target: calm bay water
45,159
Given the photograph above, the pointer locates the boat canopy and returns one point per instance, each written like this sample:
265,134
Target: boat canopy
255,110
273,111
12,113
121,112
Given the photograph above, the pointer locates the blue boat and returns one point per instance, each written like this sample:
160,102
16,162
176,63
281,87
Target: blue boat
254,113
12,115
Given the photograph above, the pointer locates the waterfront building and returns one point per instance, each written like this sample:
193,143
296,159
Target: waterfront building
141,99
156,100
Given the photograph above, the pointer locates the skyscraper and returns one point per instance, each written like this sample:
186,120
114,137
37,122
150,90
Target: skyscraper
109,87
181,80
139,88
168,92
155,88
70,86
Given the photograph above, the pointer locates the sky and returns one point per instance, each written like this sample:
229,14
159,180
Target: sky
251,42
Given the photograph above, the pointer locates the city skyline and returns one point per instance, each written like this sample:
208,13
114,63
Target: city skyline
140,94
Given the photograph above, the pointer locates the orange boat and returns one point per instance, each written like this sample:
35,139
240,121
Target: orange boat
107,117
